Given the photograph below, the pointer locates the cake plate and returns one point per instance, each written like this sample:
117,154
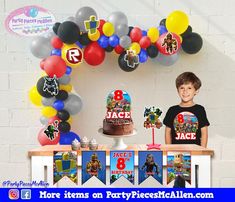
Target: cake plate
118,139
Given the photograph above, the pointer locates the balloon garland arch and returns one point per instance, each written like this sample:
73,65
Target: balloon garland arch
85,37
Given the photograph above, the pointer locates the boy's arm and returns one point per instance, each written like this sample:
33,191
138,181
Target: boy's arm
168,135
204,138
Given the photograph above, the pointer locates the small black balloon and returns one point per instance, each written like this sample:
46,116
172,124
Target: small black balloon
62,95
187,32
163,22
68,32
55,27
64,127
152,51
84,39
124,65
63,115
41,90
130,28
109,49
192,43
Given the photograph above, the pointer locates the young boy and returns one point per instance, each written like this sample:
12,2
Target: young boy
186,123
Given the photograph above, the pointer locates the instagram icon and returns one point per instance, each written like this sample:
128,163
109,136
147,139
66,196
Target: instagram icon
13,194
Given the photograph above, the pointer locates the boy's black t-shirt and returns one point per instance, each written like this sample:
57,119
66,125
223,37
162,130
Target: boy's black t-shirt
186,123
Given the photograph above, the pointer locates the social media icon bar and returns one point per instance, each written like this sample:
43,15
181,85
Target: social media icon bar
25,194
13,194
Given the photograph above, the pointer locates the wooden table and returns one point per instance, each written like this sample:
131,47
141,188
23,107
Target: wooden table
42,162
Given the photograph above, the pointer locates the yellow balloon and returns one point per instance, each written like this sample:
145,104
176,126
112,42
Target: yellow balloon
95,36
153,34
35,97
49,112
67,87
177,22
135,47
108,29
72,55
70,120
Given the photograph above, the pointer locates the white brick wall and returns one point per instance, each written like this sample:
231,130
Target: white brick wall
150,84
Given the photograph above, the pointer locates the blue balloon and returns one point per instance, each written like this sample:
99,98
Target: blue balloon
56,52
68,138
103,41
68,70
162,29
78,44
114,40
143,56
144,33
58,105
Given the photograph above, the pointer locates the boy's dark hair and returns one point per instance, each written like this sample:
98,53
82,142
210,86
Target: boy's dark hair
188,77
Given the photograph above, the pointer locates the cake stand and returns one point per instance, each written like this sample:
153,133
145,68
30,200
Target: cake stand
118,139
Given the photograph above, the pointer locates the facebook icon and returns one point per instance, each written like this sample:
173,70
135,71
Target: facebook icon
25,194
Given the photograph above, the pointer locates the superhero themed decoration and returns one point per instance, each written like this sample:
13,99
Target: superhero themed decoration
179,168
122,164
84,37
94,164
150,164
152,115
65,164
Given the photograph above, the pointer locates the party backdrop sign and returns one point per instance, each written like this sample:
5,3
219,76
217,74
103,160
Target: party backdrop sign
122,164
29,21
65,164
178,164
150,164
94,164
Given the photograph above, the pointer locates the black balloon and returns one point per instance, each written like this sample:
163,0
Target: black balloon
55,27
84,39
63,115
64,127
187,32
152,51
124,65
192,43
62,95
130,28
41,90
68,32
163,22
109,49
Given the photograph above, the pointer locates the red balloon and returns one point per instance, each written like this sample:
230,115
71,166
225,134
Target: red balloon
145,42
56,42
45,140
118,49
53,119
55,65
168,43
94,54
136,34
101,26
42,63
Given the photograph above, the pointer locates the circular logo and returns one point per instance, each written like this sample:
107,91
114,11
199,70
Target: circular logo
72,55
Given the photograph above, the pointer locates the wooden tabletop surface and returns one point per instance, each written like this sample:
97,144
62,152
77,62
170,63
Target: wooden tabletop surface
192,148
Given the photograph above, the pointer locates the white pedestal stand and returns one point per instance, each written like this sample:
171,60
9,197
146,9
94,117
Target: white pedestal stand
118,139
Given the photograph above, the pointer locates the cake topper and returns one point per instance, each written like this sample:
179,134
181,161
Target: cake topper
152,115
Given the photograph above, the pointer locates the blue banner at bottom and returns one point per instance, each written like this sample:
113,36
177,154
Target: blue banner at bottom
116,194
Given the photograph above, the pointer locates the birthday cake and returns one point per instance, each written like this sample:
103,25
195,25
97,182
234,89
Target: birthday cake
118,119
